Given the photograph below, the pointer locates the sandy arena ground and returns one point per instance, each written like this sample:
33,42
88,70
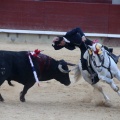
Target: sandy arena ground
54,101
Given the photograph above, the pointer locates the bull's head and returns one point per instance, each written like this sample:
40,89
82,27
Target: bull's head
63,72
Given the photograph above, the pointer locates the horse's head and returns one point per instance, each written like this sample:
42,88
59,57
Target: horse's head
96,52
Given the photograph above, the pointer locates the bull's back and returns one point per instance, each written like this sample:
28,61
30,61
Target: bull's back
16,64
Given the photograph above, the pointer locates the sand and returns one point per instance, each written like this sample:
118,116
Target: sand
54,101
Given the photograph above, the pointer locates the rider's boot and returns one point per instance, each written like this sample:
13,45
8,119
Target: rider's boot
86,73
93,75
88,70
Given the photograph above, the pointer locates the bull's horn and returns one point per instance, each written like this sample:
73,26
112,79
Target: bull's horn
71,64
62,70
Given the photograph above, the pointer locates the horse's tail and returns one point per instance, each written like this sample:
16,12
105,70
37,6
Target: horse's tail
77,73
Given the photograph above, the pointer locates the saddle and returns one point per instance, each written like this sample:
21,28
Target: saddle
114,57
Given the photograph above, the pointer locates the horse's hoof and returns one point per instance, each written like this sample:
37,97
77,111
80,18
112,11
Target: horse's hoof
117,90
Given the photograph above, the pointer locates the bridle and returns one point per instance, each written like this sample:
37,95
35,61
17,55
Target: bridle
101,61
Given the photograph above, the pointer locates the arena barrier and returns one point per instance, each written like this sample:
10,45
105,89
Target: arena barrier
28,36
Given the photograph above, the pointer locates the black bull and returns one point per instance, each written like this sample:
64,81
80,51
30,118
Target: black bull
16,66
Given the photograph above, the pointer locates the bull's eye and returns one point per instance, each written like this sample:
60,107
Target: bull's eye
2,71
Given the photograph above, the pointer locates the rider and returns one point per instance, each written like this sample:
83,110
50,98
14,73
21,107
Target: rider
75,38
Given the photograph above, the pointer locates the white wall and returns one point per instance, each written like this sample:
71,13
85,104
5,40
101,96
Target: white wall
115,1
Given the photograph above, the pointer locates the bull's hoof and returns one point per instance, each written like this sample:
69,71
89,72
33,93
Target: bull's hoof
22,99
1,99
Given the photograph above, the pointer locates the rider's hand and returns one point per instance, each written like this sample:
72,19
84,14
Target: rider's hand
83,38
55,39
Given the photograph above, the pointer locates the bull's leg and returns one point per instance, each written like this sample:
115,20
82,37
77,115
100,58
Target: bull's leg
25,89
1,98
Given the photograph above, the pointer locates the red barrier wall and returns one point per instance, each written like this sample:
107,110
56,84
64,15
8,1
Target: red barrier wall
114,19
83,1
60,16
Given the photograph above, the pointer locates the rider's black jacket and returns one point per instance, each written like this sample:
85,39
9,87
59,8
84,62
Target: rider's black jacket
75,38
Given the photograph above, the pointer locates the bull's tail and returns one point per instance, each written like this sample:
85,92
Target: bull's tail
77,73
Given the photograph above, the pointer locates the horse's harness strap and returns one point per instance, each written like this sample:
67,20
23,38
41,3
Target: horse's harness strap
108,68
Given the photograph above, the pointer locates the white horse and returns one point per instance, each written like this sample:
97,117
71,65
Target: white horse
105,67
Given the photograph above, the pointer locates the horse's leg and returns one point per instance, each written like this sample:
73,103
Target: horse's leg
112,84
115,87
117,75
99,88
87,78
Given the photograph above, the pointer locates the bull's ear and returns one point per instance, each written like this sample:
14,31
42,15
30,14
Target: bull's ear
62,61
